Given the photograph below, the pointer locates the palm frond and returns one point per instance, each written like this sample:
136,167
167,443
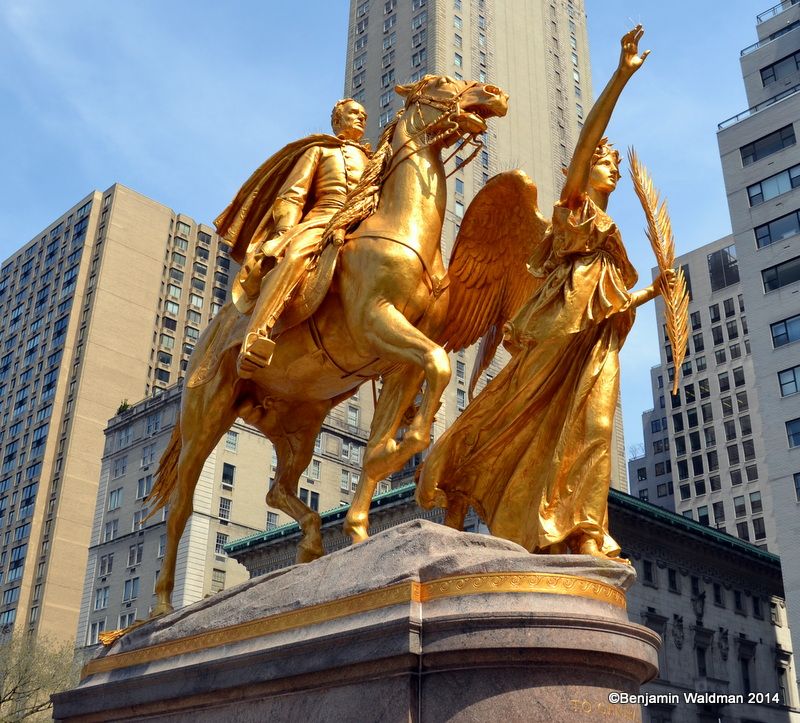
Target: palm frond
659,233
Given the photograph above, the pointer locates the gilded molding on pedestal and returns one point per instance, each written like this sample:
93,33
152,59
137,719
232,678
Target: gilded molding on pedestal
404,592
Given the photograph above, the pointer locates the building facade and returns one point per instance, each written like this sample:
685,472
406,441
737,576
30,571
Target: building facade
102,306
760,162
536,51
734,429
229,503
706,440
716,601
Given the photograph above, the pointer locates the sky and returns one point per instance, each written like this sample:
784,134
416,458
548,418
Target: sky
181,100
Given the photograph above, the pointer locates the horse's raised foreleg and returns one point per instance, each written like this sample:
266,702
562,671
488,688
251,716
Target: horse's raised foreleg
206,413
293,429
383,455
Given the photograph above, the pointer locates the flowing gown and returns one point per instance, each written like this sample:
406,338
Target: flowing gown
532,453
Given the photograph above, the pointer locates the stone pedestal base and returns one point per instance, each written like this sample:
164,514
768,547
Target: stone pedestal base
419,623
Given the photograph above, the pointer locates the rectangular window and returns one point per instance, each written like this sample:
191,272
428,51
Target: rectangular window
135,554
781,69
272,520
723,268
789,381
228,475
772,187
225,508
232,441
785,331
110,530
780,275
778,229
793,432
767,145
130,589
221,541
739,506
115,499
143,486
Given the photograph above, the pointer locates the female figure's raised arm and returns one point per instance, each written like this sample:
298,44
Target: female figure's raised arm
596,122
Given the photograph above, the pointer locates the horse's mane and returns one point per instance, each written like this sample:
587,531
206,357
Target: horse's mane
363,199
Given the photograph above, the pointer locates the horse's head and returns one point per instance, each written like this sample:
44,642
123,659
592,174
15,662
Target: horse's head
454,107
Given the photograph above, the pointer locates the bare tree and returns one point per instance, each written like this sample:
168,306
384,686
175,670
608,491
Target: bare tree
31,670
636,450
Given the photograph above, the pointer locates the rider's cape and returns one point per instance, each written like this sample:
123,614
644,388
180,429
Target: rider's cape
245,224
247,221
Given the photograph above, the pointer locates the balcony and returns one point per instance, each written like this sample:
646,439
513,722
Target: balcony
775,10
774,36
759,107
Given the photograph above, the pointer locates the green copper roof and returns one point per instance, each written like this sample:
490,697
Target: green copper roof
616,498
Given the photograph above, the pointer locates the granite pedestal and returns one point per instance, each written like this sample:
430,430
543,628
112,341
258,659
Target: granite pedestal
419,623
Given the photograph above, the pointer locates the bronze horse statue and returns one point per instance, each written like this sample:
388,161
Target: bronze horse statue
387,304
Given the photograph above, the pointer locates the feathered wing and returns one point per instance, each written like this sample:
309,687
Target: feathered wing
488,275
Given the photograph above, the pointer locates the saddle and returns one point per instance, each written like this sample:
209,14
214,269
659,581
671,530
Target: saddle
232,326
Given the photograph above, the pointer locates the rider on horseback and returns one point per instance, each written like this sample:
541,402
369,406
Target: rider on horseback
284,238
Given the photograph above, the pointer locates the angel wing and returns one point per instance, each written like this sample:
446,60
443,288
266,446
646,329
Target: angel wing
489,280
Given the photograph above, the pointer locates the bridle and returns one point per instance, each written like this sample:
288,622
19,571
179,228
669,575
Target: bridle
450,109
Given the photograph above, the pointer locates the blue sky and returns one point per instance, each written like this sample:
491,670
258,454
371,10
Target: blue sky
181,100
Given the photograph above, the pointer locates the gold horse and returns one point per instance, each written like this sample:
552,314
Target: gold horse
388,301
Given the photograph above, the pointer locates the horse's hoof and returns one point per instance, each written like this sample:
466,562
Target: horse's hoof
161,608
356,530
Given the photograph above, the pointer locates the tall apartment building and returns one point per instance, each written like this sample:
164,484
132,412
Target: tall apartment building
229,503
761,166
102,306
536,50
755,295
705,443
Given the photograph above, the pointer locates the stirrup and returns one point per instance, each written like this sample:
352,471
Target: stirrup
256,354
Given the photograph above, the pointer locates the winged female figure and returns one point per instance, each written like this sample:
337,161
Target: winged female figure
532,452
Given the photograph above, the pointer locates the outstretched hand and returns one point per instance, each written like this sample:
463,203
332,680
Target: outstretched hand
629,59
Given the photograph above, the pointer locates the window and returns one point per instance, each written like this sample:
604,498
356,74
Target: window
228,475
130,590
741,401
138,519
110,530
774,186
143,486
100,598
780,69
135,553
785,331
120,466
789,381
716,333
739,506
148,454
353,416
767,145
106,564
723,268
115,499
272,520
780,275
225,508
780,228
793,432
95,629
219,546
732,329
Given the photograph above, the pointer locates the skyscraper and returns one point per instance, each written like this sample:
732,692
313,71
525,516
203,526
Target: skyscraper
103,306
746,295
536,50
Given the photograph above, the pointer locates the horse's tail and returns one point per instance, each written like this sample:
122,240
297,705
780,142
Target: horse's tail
167,475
